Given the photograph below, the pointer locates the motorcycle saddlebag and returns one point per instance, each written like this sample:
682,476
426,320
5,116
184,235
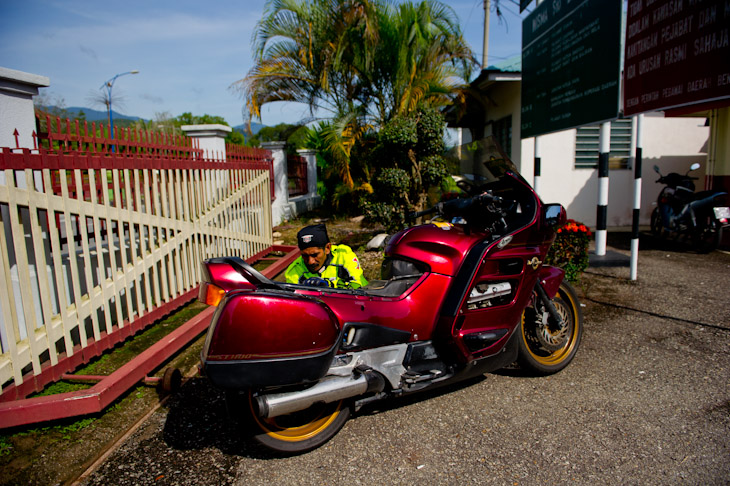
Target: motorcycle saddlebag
262,339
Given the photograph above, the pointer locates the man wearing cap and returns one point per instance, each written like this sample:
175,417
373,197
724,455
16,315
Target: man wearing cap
323,264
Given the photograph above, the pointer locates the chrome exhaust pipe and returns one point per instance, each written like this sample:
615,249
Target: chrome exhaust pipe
326,391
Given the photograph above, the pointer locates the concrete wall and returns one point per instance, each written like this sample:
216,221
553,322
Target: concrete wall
506,96
671,143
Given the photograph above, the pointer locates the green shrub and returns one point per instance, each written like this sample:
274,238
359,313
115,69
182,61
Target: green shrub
434,171
392,217
399,135
569,251
430,129
392,184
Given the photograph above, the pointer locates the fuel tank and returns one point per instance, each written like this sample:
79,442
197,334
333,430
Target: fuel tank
441,246
269,339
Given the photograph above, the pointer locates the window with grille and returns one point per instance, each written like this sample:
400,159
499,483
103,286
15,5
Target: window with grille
586,145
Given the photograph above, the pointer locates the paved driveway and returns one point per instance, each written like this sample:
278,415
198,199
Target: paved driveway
646,401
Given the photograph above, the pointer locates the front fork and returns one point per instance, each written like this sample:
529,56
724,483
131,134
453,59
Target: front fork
549,306
548,282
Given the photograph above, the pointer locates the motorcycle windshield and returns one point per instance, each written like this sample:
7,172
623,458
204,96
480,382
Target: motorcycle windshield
485,167
483,161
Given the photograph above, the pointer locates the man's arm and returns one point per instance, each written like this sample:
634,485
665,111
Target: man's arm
352,265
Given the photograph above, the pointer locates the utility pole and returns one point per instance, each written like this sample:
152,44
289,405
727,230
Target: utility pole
485,45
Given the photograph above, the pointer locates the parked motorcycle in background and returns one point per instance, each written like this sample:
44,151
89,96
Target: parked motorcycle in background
682,213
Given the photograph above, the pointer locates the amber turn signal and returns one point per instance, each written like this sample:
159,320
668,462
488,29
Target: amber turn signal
210,294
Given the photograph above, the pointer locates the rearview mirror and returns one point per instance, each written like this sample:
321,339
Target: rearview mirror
554,215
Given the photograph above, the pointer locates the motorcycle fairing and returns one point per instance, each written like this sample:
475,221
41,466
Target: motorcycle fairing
406,312
550,279
481,332
704,201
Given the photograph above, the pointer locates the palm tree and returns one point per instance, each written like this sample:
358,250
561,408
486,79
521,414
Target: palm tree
306,52
361,62
422,58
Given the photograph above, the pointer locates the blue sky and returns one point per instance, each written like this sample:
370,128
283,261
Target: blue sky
188,52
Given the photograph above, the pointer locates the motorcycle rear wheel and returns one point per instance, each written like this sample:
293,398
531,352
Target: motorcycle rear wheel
543,348
300,431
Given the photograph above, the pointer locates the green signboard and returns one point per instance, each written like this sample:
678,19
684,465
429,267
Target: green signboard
524,4
571,54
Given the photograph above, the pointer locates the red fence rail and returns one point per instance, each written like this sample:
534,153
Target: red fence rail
64,135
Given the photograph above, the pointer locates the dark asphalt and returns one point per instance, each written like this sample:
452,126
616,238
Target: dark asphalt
646,401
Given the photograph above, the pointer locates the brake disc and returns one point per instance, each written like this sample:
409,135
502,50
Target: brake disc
548,335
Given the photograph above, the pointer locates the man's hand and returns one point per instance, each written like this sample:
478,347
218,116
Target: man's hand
316,282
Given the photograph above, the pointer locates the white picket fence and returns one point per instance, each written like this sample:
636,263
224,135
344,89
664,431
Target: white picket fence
93,242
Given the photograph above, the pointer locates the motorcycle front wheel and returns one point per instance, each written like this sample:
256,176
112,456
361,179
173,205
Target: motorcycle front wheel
656,223
543,347
299,431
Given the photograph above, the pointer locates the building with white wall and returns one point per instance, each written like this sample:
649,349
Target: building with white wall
567,175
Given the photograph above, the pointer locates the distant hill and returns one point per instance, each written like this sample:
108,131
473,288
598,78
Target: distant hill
255,127
102,116
97,115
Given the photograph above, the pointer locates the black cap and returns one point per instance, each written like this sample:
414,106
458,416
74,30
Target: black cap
313,236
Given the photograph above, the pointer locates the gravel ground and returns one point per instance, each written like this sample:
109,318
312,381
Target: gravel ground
646,401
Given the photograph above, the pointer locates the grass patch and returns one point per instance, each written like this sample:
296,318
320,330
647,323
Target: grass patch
22,448
62,387
109,362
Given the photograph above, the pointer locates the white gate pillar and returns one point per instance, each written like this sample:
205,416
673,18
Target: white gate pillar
16,106
211,138
280,209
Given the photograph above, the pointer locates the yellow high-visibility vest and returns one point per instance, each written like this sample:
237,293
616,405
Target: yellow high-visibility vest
341,269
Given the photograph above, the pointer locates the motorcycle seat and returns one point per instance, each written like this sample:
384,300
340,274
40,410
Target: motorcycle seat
390,288
709,193
705,202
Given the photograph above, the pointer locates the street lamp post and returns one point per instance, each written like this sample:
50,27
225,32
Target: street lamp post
109,85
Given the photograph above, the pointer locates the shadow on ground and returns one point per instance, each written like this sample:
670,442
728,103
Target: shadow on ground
621,240
198,418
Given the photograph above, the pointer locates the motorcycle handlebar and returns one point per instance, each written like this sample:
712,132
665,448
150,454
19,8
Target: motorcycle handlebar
418,214
667,179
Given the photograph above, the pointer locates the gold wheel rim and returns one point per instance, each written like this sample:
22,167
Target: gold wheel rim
546,358
316,420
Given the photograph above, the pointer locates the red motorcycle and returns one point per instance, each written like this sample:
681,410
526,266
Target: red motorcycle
459,297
